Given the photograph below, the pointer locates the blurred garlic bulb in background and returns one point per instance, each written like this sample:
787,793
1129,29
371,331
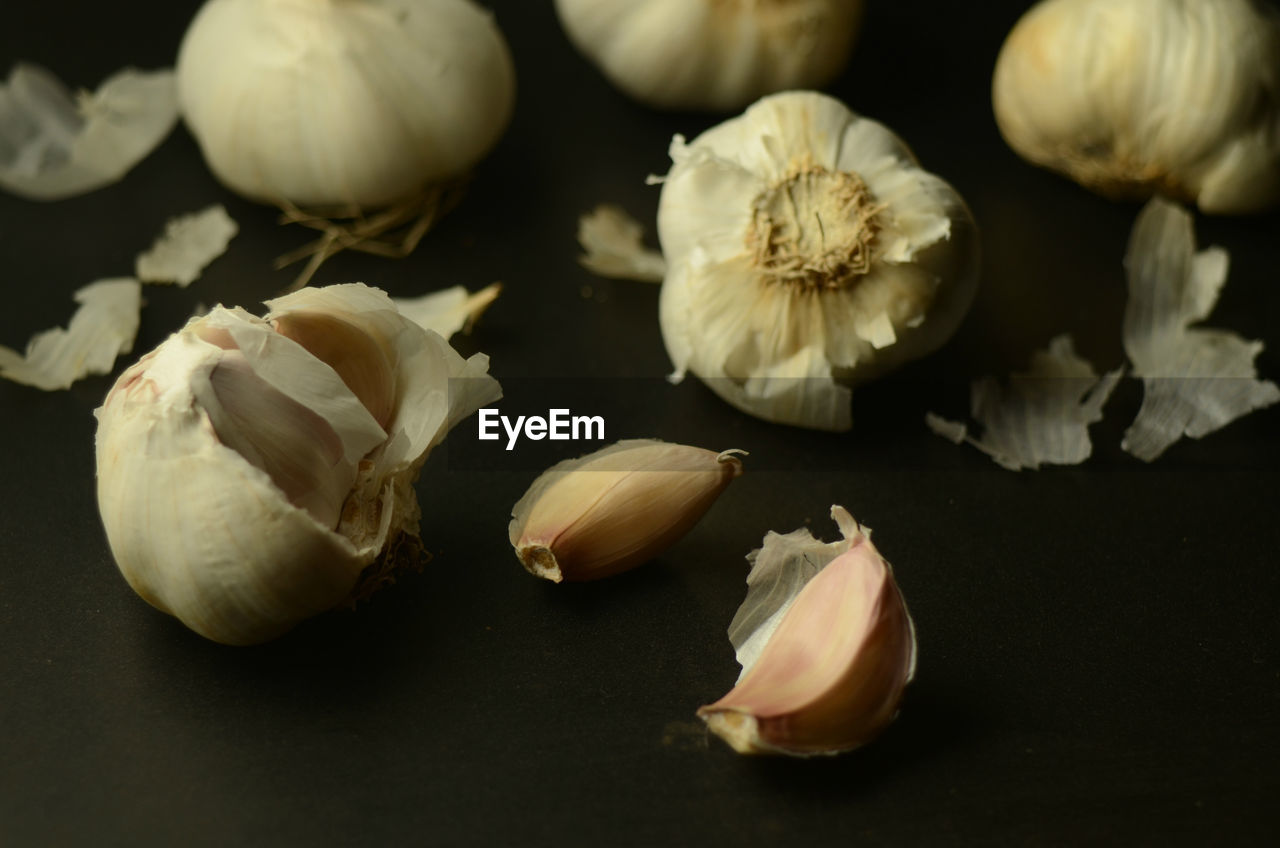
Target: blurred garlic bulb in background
807,251
331,103
250,469
713,54
1135,97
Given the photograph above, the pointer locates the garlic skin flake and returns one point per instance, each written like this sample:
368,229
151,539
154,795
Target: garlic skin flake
601,514
1135,97
826,644
613,247
448,311
342,103
1195,380
188,245
102,328
807,252
715,55
54,145
1044,415
250,469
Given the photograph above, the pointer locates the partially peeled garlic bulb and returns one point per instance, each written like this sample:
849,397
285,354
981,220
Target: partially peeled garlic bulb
826,646
713,54
338,103
601,514
1135,97
250,469
807,251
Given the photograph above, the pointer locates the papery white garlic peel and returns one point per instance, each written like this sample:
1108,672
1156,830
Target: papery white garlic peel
250,469
807,252
340,103
54,146
836,652
601,514
103,327
1195,379
712,54
1134,97
1043,416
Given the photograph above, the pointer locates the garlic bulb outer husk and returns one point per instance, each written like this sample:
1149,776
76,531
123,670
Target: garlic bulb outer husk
601,514
245,483
335,103
824,665
715,55
1135,97
806,252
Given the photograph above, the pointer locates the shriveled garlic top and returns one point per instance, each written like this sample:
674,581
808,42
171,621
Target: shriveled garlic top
807,251
712,54
1134,97
343,102
249,469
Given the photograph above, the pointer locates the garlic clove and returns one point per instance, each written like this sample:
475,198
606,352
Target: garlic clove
244,486
611,510
826,655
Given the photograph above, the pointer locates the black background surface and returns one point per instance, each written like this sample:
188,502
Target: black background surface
1098,645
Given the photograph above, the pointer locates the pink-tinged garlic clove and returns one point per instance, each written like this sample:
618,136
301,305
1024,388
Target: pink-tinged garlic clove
831,674
612,510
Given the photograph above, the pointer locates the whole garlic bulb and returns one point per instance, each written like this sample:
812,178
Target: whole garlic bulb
806,252
1135,97
343,102
249,469
713,54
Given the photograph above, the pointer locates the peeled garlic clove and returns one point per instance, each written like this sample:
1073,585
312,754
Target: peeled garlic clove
609,511
246,478
1135,97
807,252
712,54
825,665
359,103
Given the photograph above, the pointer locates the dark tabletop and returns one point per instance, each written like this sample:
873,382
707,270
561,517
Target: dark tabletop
1098,644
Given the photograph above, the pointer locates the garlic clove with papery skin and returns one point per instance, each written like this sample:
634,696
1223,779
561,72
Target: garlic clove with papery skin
1131,98
250,469
712,54
601,514
806,252
343,103
826,644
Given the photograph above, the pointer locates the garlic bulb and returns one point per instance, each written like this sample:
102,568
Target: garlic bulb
617,508
1134,97
826,644
807,251
249,469
329,103
712,54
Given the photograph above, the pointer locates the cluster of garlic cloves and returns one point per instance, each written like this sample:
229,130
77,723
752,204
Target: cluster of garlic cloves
713,54
609,511
1135,97
826,644
343,103
806,252
250,469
